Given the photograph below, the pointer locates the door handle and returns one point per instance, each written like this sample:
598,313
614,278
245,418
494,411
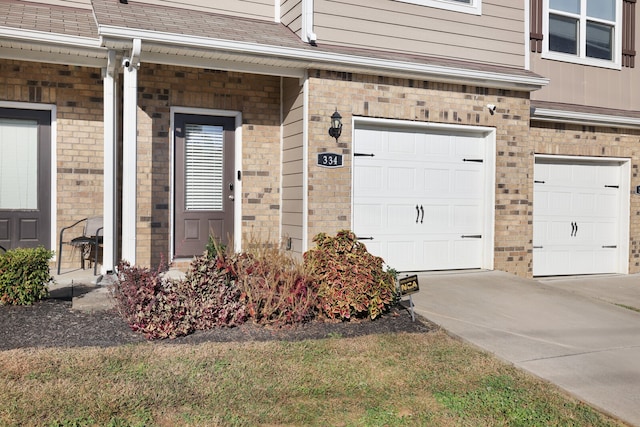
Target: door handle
574,229
422,212
417,213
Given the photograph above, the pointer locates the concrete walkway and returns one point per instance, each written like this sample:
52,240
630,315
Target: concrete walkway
569,332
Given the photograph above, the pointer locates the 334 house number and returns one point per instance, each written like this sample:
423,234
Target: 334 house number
330,160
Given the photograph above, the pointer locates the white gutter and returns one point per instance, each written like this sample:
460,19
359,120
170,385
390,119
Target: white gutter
309,58
589,119
51,38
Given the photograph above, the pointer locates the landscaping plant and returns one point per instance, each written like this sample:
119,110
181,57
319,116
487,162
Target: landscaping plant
24,275
351,281
275,286
161,307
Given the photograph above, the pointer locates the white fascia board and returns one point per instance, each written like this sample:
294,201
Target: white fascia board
50,38
52,57
589,119
35,46
308,58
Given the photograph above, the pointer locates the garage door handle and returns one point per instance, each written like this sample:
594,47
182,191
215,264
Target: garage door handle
419,210
574,229
472,236
537,247
364,238
609,247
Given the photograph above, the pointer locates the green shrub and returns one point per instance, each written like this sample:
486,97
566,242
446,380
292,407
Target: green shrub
351,281
24,275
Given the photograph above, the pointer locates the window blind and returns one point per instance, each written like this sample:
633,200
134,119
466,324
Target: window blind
18,164
204,155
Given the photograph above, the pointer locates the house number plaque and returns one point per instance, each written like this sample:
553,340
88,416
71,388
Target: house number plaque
330,160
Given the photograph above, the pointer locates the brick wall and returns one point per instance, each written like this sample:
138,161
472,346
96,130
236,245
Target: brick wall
257,97
576,140
391,98
77,94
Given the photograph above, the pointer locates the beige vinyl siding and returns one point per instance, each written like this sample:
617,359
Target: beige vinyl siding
582,85
496,37
585,85
291,11
78,4
292,163
255,9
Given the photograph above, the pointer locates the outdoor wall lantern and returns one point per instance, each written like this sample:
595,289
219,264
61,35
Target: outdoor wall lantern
336,125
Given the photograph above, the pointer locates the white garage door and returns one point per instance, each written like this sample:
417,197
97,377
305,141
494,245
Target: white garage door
576,218
418,198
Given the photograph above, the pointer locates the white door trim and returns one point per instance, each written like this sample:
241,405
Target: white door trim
237,186
624,202
489,135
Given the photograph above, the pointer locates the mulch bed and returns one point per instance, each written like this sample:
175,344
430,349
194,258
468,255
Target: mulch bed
53,323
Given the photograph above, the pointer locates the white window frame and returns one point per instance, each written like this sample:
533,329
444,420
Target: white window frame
581,58
474,7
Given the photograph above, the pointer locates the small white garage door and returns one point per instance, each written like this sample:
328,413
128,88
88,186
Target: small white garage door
418,197
576,213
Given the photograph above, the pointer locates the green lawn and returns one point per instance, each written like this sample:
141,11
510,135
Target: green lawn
382,380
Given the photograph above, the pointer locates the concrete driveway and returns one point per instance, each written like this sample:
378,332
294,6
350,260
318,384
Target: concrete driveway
569,331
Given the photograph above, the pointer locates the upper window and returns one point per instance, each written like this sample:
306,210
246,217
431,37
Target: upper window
465,6
583,31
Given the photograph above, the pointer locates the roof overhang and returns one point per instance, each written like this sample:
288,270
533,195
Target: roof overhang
177,49
39,46
584,118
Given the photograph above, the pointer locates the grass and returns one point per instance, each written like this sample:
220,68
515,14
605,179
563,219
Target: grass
383,380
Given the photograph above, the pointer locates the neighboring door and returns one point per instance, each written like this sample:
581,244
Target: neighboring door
418,198
204,179
25,178
576,215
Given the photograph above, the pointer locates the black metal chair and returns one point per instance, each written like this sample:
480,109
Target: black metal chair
88,243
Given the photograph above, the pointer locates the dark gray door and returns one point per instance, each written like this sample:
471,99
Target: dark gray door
204,178
25,178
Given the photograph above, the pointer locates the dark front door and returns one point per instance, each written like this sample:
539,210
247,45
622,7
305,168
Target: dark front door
25,178
204,178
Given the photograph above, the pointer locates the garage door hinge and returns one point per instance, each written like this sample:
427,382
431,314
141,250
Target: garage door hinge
537,247
363,155
611,186
609,247
473,160
364,238
472,236
538,182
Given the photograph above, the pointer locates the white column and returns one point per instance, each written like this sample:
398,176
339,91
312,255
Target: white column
109,209
130,154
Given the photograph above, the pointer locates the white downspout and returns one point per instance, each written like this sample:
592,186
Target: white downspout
109,198
527,29
308,35
305,163
130,153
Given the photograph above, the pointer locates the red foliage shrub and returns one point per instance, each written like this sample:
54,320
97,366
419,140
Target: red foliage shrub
351,281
